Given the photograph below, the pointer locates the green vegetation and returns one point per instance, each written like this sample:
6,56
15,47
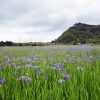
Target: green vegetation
10,43
80,33
50,73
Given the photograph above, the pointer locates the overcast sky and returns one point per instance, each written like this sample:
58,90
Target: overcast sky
44,20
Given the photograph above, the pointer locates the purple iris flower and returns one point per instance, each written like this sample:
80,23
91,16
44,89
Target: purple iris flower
31,57
2,81
77,60
45,60
28,66
29,60
60,81
28,79
36,67
22,59
16,73
92,58
19,67
0,65
25,79
22,78
12,56
71,59
66,76
59,67
13,64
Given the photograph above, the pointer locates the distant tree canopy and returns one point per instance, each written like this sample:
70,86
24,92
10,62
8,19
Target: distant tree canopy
7,43
10,43
80,33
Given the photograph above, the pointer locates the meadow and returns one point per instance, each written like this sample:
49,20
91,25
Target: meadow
50,73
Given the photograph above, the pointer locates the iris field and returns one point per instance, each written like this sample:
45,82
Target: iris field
50,73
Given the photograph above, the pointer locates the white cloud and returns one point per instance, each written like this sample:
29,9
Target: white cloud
44,20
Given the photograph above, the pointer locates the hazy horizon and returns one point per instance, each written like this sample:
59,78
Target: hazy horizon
44,20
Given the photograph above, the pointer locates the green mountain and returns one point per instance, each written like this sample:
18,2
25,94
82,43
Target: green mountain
80,33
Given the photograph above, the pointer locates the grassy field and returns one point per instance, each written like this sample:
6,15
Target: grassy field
50,73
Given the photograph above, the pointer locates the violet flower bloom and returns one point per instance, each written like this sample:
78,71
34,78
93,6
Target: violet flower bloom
22,78
28,66
77,60
66,76
71,59
59,67
36,67
13,64
60,81
0,65
22,59
12,56
92,58
16,73
25,79
31,57
19,67
2,81
28,79
29,60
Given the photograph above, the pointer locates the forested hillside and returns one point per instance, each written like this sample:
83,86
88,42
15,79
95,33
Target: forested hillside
80,33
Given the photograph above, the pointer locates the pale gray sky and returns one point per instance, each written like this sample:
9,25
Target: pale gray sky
44,20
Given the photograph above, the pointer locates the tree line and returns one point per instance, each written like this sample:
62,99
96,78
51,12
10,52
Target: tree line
10,43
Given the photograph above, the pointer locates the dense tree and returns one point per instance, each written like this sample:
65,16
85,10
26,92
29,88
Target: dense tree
80,33
10,43
7,43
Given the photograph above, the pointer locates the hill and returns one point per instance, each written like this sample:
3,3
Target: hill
80,33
